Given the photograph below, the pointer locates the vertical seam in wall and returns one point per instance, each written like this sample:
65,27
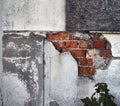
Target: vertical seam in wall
43,72
1,43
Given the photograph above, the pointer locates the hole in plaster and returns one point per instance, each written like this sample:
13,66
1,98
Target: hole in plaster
84,46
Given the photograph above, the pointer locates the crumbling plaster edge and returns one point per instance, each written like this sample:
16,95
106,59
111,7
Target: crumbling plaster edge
48,58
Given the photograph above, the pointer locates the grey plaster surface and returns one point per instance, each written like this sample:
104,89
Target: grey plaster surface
22,70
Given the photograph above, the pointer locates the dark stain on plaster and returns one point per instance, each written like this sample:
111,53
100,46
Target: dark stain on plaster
27,50
54,103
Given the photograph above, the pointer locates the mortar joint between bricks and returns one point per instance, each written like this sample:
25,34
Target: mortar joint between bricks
64,40
91,66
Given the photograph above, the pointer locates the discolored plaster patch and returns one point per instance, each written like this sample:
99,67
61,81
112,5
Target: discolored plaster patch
23,57
54,103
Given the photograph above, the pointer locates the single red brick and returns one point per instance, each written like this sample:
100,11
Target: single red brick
82,70
99,44
105,53
86,61
64,36
83,44
71,44
87,71
58,36
78,53
91,71
89,61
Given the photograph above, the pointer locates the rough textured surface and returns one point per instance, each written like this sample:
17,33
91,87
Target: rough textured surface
22,70
62,85
61,77
1,33
45,15
103,15
91,50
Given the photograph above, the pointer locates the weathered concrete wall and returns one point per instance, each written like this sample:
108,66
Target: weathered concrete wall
62,85
85,85
42,15
22,70
1,33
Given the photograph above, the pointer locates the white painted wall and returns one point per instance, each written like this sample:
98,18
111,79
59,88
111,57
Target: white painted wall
42,15
60,77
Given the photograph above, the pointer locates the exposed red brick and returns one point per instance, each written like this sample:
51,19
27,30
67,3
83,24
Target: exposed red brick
87,71
69,44
78,53
99,44
105,53
96,36
86,61
58,36
65,50
78,47
89,61
83,44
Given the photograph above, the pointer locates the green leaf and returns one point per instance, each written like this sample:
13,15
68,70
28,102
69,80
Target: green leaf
104,99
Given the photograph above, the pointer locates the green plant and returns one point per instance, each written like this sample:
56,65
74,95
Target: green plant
100,97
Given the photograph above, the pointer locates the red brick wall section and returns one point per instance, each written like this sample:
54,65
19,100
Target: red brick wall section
78,46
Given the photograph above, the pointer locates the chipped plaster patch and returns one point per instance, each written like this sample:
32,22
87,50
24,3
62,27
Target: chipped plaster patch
26,66
84,36
97,48
98,61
